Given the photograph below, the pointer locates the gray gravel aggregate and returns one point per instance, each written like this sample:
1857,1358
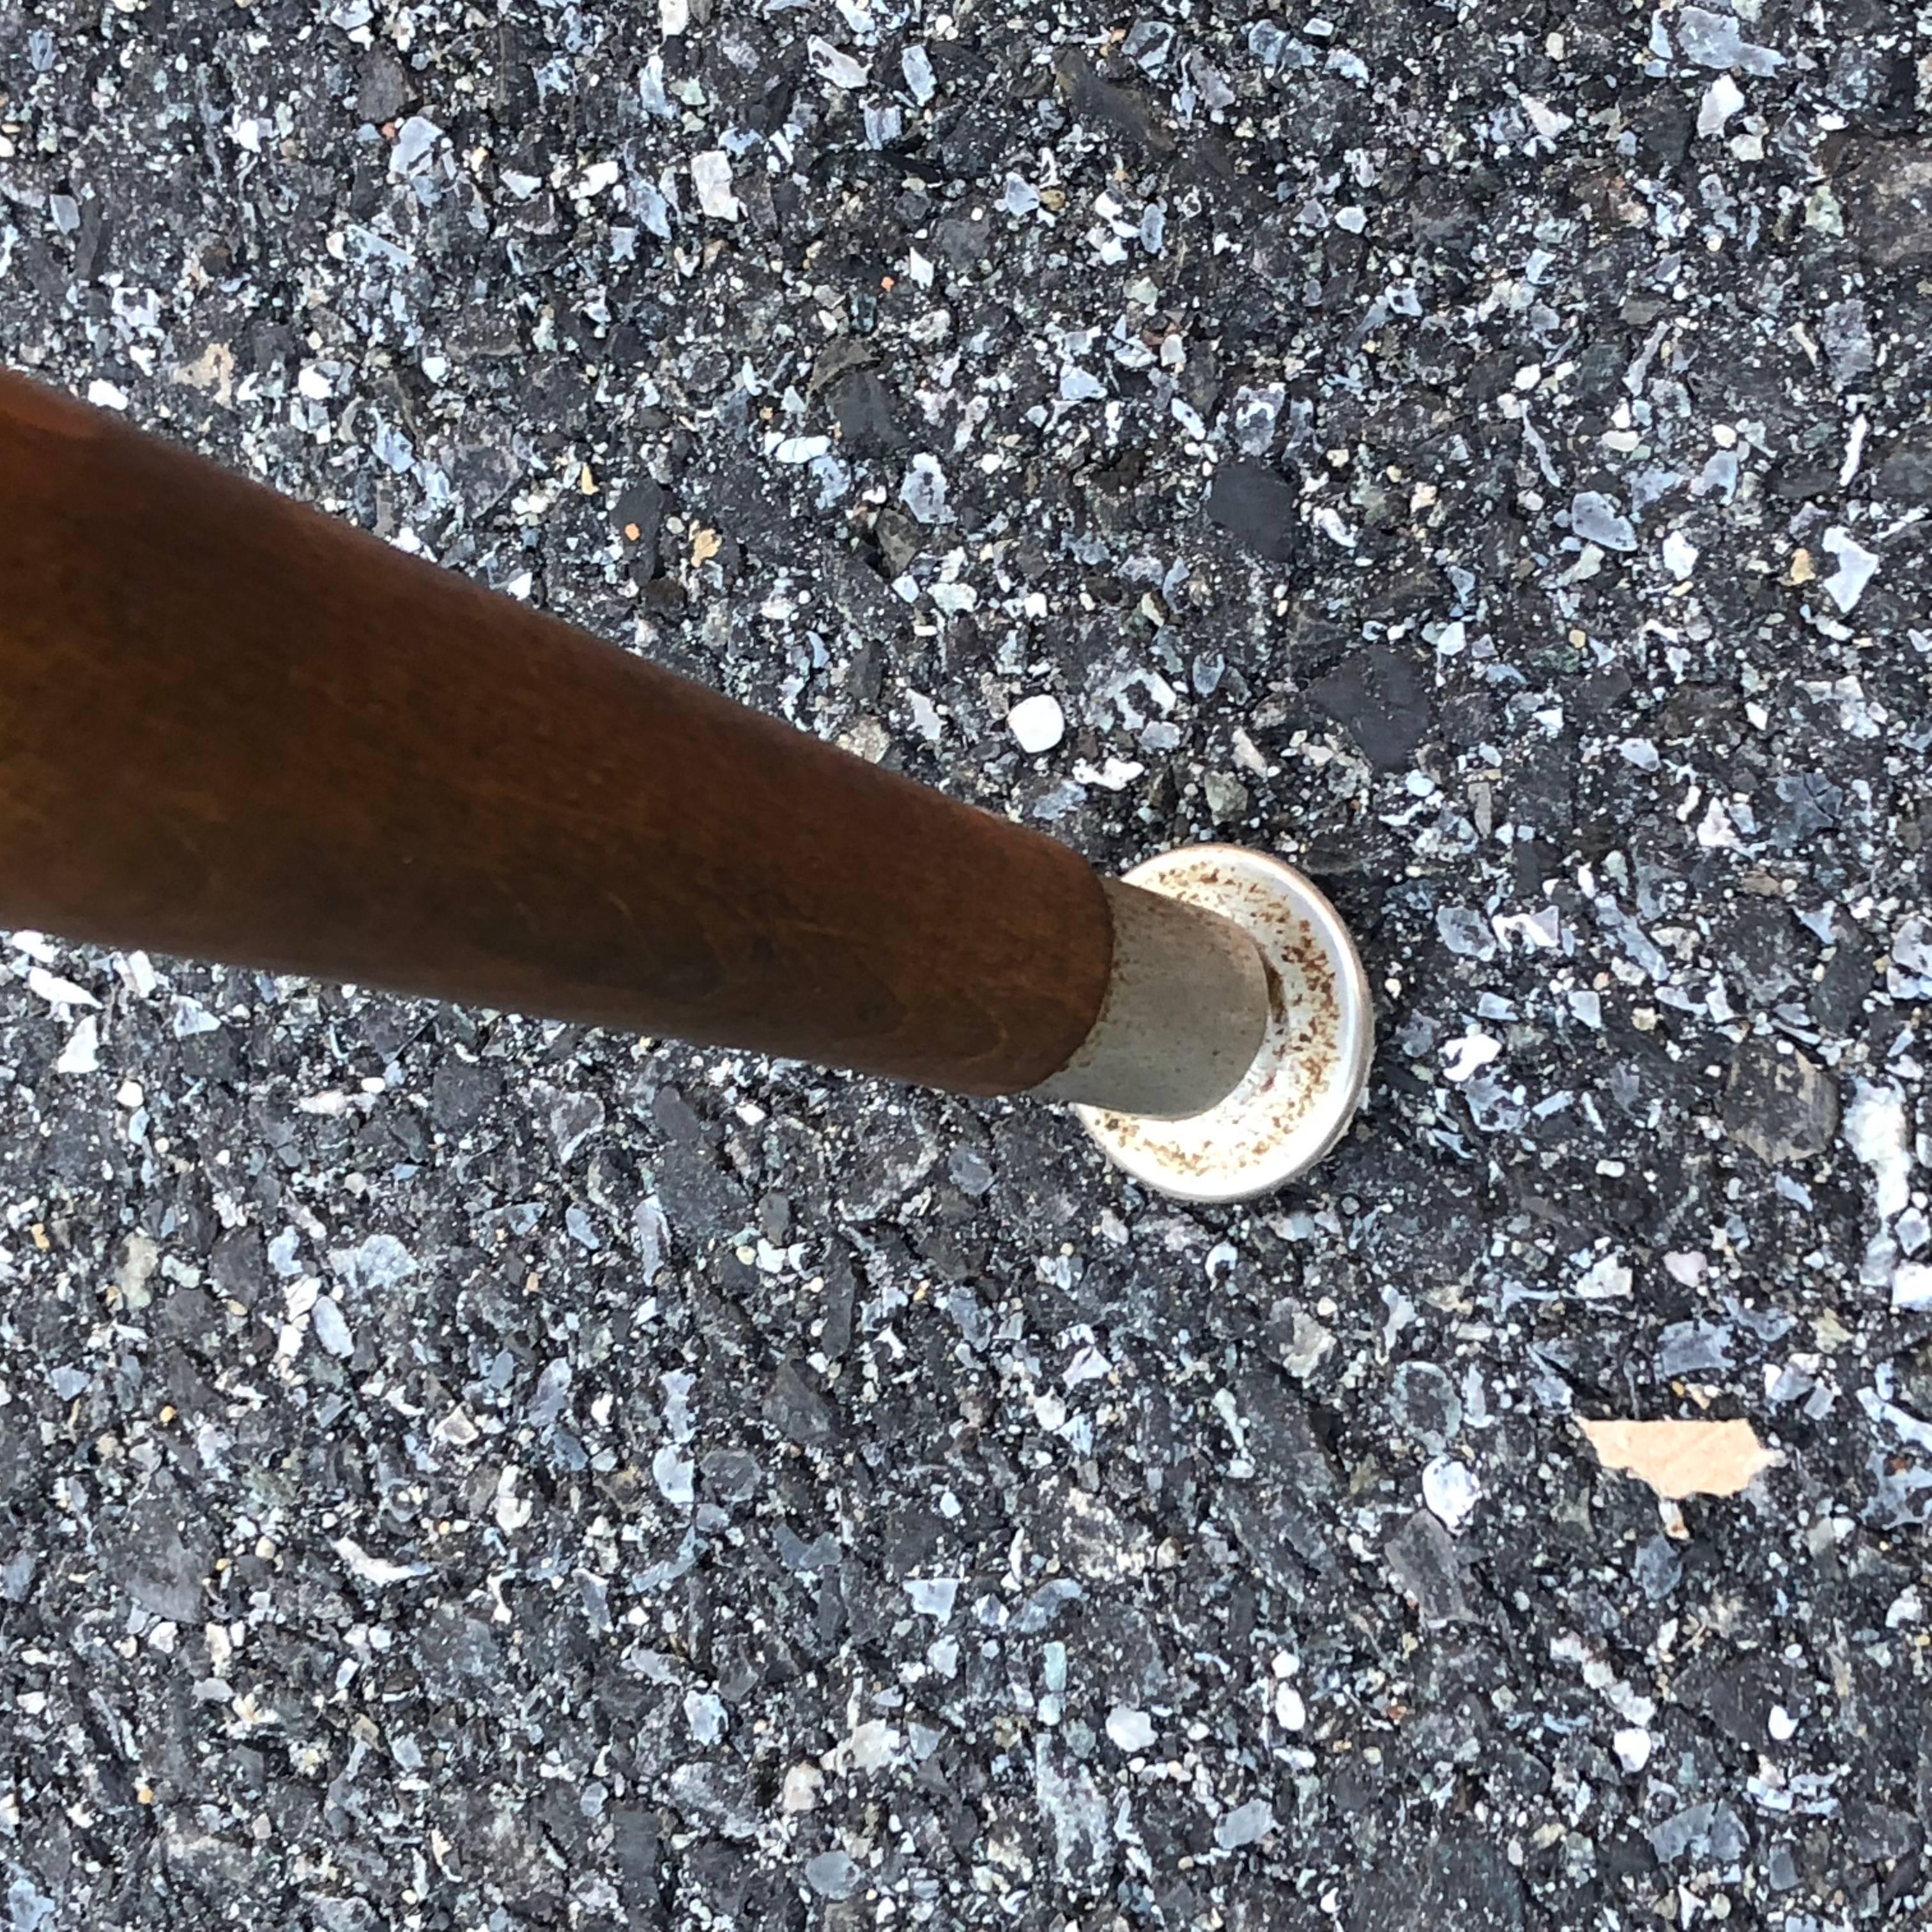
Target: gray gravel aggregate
460,1471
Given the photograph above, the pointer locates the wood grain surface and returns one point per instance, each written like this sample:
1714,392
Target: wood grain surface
234,729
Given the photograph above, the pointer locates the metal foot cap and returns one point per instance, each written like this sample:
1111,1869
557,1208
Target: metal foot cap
1296,1100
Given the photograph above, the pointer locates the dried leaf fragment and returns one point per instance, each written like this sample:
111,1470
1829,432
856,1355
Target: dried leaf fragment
705,544
1681,1458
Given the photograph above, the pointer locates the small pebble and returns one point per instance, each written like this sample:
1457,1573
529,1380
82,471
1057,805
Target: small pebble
1037,724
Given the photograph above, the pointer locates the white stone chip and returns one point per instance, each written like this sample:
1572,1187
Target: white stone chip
1468,1055
673,1473
1857,567
377,1570
1596,519
1912,1286
1713,40
871,1746
915,64
331,1327
932,1596
416,145
1722,99
1037,724
82,1054
1605,1280
835,65
1247,1824
923,489
1875,1130
1451,1491
56,991
711,175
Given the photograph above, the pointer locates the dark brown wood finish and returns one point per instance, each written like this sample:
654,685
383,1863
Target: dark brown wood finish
234,729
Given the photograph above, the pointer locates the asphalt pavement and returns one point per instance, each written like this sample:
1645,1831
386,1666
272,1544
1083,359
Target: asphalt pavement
457,1471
